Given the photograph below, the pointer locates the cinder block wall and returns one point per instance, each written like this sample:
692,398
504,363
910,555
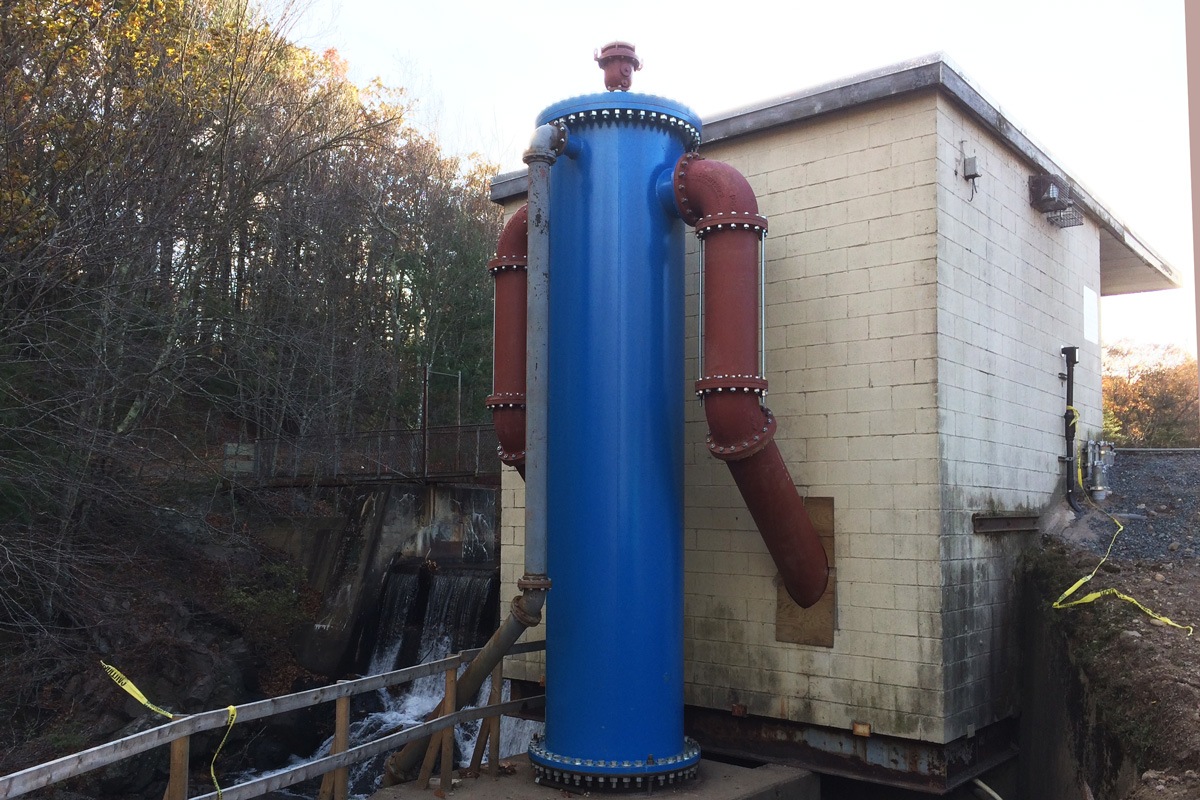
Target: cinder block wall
1011,293
913,336
851,336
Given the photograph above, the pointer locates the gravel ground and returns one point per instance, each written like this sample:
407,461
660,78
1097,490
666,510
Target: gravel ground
1143,673
1156,496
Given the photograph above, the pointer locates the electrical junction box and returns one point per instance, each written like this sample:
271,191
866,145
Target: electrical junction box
971,168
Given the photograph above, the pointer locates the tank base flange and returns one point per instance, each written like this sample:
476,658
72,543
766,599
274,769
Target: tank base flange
587,774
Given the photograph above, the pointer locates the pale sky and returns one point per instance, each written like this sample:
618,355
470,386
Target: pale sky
1100,85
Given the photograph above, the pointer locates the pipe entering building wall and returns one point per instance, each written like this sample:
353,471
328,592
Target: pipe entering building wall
717,200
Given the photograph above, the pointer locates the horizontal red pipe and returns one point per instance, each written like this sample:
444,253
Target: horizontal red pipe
509,268
719,202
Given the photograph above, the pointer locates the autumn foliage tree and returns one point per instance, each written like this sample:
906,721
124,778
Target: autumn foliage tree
202,222
1150,397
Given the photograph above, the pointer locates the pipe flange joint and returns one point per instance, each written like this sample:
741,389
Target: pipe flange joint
537,582
624,774
731,220
637,116
679,181
505,400
512,459
502,263
734,384
751,444
517,608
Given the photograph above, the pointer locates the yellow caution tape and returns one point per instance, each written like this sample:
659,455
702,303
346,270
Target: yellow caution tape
212,769
1089,598
128,686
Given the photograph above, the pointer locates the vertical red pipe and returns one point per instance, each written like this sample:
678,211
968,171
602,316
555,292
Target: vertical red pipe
509,268
718,201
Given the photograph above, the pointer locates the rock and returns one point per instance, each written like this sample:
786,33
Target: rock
1191,773
1173,546
1130,635
1188,553
1158,623
1162,508
1158,576
1151,775
1142,507
1152,513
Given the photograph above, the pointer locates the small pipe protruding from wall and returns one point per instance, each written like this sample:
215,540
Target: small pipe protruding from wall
717,200
619,60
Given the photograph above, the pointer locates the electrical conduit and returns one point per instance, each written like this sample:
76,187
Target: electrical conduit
718,201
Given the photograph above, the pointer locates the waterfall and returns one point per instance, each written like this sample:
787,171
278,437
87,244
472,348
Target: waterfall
454,610
398,596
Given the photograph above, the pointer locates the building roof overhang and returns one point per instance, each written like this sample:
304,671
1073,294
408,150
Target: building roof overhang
1127,264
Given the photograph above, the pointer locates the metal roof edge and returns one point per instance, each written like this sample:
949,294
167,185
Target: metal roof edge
933,71
988,113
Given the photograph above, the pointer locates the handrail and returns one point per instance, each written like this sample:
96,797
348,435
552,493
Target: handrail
362,752
52,772
396,454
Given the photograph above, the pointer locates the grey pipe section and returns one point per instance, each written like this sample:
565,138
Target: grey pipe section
540,156
526,609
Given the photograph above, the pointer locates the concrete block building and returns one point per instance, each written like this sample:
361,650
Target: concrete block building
915,320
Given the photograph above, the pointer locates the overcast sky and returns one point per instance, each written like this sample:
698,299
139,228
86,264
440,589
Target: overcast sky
1101,85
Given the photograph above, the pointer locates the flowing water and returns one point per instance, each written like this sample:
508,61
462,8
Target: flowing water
454,619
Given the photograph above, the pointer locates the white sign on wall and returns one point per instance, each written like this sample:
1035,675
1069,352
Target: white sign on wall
1091,316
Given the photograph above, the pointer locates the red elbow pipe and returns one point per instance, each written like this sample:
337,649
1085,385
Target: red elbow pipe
507,403
718,201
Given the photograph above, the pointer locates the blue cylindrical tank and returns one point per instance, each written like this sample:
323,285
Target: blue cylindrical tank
614,660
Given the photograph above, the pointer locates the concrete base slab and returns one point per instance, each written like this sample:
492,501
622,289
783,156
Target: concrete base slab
716,781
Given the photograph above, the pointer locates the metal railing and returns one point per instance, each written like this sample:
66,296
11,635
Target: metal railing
417,454
335,766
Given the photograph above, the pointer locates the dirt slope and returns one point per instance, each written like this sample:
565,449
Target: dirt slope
1145,672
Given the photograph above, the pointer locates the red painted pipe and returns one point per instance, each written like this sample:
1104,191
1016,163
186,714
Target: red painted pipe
718,201
509,268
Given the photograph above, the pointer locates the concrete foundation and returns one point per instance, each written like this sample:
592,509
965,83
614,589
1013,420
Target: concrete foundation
716,781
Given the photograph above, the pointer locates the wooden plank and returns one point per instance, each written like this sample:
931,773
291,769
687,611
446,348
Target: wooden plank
494,722
341,742
815,625
448,735
431,753
177,785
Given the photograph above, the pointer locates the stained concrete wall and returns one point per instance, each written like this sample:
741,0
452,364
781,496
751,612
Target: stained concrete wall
1012,290
346,559
851,338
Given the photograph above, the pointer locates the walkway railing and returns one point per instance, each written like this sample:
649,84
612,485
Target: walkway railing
335,766
456,451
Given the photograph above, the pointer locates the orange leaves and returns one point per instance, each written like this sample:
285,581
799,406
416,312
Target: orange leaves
1151,397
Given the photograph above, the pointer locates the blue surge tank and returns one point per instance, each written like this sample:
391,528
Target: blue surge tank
614,661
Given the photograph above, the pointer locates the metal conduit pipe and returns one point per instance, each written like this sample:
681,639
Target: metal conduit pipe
525,610
1070,418
718,201
507,402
